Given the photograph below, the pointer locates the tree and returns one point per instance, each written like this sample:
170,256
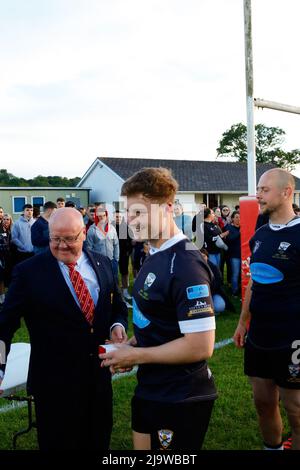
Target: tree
268,142
39,181
8,179
5,177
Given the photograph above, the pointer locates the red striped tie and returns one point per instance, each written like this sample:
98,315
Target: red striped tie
83,294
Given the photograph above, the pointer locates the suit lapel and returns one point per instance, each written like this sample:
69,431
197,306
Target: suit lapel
101,274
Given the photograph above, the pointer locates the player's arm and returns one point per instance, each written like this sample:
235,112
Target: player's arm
192,302
241,329
191,347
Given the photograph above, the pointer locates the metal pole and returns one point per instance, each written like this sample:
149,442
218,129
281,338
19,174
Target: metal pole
277,106
251,162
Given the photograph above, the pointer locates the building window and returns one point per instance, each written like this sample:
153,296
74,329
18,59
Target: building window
213,200
37,201
18,204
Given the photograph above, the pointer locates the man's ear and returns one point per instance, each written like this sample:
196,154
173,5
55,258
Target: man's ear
288,192
169,207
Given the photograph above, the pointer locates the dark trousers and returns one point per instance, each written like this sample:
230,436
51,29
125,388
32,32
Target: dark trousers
226,260
76,424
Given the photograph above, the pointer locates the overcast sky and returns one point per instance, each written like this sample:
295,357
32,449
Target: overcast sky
82,79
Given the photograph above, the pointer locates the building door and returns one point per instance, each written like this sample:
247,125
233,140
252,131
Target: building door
213,200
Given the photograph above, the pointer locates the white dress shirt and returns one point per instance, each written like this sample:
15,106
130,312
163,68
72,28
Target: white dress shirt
88,274
83,266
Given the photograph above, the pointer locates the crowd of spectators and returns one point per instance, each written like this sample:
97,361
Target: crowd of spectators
110,236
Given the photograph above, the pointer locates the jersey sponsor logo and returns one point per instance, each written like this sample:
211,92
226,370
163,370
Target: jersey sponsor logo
197,292
165,437
144,294
256,246
263,273
200,307
149,281
138,317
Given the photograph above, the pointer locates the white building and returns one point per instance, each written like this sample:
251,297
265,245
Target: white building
210,182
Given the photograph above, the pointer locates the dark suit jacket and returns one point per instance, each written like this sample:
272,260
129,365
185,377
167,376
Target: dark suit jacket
64,363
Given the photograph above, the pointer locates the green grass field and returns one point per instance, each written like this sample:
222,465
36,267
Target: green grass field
233,425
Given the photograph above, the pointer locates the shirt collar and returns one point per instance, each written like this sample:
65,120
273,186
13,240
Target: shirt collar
168,243
79,262
291,223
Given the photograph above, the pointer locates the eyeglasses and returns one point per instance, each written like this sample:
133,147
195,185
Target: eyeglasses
67,240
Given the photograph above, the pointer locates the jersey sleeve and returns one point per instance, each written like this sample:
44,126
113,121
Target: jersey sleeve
192,296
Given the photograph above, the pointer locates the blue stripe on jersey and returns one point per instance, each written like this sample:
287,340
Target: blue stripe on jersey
138,318
265,274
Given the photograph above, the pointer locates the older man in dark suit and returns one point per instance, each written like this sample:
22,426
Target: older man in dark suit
71,304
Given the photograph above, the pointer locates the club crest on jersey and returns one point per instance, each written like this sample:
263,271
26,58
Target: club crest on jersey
149,281
165,437
294,370
281,251
256,246
283,246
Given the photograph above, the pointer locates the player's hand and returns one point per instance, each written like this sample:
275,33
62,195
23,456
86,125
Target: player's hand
123,357
224,234
118,334
132,341
239,335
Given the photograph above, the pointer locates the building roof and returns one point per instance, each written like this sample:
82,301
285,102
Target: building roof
194,176
44,188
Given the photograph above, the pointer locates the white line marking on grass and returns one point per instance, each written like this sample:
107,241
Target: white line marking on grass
218,345
12,406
